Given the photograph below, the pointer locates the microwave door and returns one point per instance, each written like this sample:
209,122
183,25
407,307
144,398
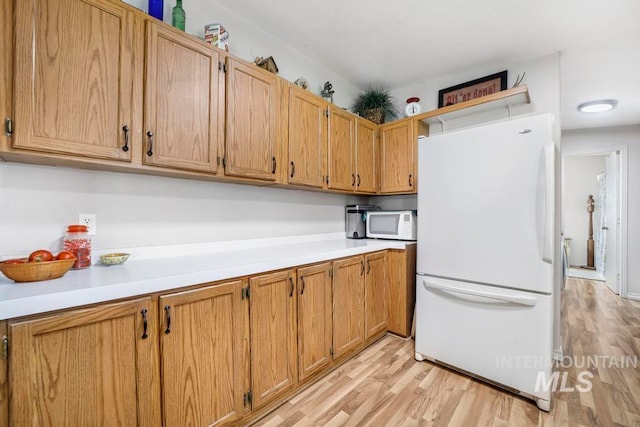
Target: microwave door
384,225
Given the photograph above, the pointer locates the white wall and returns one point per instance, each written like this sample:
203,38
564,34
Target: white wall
38,202
579,181
610,139
542,80
247,41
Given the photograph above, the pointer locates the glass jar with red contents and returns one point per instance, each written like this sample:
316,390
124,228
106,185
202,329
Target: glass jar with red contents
78,242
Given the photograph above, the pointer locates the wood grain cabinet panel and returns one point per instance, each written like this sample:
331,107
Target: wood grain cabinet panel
73,77
402,289
314,319
88,367
201,355
181,101
342,150
307,138
398,150
251,122
4,378
348,305
367,157
273,335
376,294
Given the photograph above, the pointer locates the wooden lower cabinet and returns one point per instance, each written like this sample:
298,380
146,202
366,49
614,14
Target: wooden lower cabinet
87,367
273,335
348,306
402,289
201,341
4,378
314,319
375,294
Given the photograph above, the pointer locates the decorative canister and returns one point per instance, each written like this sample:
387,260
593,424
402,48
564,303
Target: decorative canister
78,242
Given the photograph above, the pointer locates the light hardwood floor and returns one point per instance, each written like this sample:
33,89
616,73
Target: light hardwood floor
385,386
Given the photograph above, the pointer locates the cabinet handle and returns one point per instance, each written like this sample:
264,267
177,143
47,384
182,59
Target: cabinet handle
273,164
293,169
361,268
150,137
167,315
368,266
302,280
353,180
144,324
125,147
410,180
291,288
358,183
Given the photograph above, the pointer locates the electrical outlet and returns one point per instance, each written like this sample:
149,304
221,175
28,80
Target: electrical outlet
90,221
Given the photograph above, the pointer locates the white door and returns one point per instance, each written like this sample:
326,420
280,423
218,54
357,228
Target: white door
611,228
485,205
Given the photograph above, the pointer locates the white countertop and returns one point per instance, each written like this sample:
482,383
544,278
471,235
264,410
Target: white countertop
157,269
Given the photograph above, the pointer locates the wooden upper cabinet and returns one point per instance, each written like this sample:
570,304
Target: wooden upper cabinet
367,157
201,341
398,151
342,152
251,128
273,335
376,294
314,319
89,367
73,80
181,101
307,138
348,306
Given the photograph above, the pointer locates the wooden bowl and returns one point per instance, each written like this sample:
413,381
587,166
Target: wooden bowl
36,271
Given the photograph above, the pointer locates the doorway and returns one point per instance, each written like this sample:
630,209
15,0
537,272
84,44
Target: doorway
594,240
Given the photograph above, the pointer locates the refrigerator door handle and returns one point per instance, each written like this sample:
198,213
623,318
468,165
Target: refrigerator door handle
516,299
545,224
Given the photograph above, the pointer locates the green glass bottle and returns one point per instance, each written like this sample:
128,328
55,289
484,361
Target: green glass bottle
178,17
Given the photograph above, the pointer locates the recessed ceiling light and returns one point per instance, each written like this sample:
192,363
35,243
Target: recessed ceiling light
598,106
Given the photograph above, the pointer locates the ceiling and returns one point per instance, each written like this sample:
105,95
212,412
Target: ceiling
396,42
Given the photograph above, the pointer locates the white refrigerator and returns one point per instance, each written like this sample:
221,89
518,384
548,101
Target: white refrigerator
484,285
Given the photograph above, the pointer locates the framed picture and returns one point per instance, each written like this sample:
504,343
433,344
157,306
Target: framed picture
473,89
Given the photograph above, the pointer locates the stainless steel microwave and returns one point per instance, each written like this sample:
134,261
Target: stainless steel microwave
396,225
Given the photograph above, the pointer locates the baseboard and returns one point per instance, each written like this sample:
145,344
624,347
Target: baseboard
633,296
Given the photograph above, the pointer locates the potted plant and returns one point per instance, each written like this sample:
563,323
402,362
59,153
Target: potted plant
375,104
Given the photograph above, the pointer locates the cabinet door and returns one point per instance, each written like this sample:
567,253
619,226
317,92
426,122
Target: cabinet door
367,154
273,335
201,355
342,154
348,305
402,289
251,122
73,81
4,379
307,138
88,367
314,319
398,146
181,102
375,293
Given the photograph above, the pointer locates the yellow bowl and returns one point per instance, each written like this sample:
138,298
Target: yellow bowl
114,259
36,271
